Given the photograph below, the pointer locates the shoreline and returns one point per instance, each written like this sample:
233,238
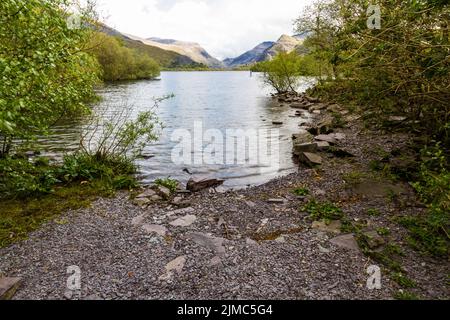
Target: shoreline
263,242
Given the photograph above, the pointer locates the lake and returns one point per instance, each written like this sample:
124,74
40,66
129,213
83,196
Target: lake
211,102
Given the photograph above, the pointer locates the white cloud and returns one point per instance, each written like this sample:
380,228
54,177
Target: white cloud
225,28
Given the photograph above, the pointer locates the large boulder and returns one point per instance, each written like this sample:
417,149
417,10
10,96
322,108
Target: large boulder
198,183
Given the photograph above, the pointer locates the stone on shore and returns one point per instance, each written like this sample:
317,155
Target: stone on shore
155,228
310,159
326,137
185,221
346,241
332,227
210,242
305,147
8,287
199,183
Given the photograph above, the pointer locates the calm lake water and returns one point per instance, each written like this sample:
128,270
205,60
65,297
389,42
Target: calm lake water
218,100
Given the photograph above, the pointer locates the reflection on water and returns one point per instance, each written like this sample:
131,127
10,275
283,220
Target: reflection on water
219,100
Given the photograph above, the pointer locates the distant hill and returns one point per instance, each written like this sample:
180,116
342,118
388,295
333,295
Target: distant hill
166,58
251,56
266,51
191,50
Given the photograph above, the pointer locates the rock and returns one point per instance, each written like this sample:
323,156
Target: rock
277,123
176,265
199,183
346,241
339,136
340,153
374,240
311,99
276,201
334,108
280,239
137,221
163,192
322,145
325,126
318,106
185,221
298,105
8,287
180,212
332,227
327,138
310,159
147,194
155,228
397,119
210,242
324,250
305,147
141,202
302,137
317,112
251,242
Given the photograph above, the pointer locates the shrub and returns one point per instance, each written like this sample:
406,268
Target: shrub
324,210
168,183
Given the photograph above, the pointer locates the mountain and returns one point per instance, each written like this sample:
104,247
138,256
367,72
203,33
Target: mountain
266,51
191,50
164,57
251,56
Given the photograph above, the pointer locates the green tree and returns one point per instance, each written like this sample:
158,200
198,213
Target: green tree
44,72
283,72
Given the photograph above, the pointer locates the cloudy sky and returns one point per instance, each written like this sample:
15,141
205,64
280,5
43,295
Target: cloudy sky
225,28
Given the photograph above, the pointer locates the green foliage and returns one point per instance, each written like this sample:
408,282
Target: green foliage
121,136
405,295
301,192
168,183
431,231
45,74
373,212
119,62
403,280
283,72
401,69
323,210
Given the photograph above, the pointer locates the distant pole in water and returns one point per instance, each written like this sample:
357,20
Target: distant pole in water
251,73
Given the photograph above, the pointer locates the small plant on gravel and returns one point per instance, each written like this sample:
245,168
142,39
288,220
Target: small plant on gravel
403,280
373,212
383,231
405,295
323,210
354,177
168,183
301,192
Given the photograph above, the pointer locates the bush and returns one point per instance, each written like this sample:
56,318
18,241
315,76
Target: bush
431,232
324,210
